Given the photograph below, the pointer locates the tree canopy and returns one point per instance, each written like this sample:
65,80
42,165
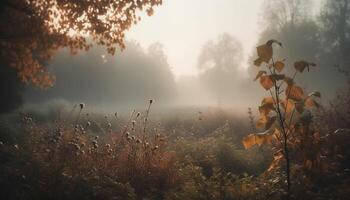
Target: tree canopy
31,31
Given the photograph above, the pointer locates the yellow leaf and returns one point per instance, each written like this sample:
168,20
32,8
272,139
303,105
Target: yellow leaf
265,122
266,109
262,121
267,105
276,161
260,73
295,92
267,100
279,65
288,106
257,139
266,82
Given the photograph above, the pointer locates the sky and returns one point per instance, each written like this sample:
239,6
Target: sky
184,26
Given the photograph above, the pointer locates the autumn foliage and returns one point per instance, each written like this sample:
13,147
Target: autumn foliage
44,26
286,114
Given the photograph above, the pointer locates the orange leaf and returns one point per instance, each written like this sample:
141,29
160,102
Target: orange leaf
309,102
257,139
265,122
295,92
288,106
279,65
267,105
266,82
265,52
260,73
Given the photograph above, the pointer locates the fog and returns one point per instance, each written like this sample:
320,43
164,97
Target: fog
131,77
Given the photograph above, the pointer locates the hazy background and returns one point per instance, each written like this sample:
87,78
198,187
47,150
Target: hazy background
198,52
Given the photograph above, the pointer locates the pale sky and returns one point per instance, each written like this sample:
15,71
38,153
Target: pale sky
184,26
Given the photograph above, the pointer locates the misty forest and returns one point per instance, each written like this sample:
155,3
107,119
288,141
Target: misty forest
175,99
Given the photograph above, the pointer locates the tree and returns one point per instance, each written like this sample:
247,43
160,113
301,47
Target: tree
303,34
219,63
124,80
286,114
31,31
279,13
335,22
290,21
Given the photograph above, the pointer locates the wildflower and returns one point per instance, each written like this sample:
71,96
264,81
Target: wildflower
146,144
109,125
138,141
133,137
88,123
94,142
1,143
96,137
108,146
16,146
129,138
116,114
127,134
95,145
150,101
138,114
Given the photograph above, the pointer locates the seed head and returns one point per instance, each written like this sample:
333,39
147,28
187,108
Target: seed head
150,101
156,147
82,105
